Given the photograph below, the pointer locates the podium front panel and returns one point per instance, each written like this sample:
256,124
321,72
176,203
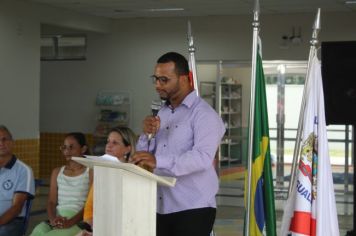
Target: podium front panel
124,203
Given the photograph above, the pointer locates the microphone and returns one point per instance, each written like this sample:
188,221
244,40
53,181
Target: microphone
155,107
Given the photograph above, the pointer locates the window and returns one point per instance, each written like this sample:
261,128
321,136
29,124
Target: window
63,47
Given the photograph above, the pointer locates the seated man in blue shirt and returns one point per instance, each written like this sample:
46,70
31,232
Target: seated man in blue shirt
16,186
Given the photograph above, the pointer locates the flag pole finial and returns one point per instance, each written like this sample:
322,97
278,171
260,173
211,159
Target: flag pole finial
190,38
256,10
191,50
316,28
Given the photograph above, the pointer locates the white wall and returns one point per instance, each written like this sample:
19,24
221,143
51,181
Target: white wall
20,60
19,69
124,58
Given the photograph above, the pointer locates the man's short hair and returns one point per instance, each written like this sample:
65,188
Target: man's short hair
180,62
4,128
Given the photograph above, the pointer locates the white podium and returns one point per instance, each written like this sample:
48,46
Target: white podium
125,198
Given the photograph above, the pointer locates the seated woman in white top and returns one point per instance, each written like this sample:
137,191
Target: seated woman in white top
68,191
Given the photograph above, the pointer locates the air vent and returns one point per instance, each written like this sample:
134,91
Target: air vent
63,47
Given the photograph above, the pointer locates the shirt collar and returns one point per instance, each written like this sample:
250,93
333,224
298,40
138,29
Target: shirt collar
190,99
11,163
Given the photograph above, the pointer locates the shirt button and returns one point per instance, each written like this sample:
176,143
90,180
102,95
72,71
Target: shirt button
164,145
167,127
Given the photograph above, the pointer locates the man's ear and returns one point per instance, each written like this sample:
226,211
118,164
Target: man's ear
184,78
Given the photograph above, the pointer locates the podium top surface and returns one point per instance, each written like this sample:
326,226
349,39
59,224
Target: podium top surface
91,161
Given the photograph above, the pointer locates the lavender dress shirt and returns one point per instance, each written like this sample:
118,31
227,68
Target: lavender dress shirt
185,147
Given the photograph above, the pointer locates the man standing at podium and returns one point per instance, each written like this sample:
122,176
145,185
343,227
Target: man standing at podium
181,141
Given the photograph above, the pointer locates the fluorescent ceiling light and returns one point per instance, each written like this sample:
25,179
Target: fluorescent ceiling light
350,2
165,9
148,10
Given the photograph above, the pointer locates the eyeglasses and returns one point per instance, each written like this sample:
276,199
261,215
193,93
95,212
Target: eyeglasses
162,79
65,147
4,139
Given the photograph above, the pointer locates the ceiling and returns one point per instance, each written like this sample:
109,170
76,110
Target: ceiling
175,8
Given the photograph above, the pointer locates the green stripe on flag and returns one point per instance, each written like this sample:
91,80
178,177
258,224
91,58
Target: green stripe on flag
262,216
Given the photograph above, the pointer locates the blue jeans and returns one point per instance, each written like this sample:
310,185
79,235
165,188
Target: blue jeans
13,228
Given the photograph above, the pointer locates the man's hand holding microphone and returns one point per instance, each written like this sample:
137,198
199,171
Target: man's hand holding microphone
151,125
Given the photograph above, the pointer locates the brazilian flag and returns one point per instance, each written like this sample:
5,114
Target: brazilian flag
262,213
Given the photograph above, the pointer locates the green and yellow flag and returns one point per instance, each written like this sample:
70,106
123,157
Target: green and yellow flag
262,214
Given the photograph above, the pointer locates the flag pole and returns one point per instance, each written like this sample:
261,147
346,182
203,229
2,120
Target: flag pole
313,43
191,50
256,26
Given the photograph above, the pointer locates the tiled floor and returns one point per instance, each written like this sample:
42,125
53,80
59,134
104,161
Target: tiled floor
229,221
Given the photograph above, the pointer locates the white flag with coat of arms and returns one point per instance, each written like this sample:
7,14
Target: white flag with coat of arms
311,208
